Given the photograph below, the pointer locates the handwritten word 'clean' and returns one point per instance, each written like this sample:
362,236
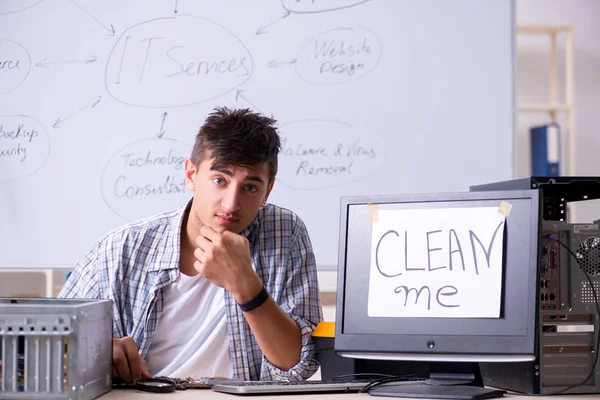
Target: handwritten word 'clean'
454,247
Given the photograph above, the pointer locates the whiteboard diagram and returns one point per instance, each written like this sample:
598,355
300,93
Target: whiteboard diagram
100,103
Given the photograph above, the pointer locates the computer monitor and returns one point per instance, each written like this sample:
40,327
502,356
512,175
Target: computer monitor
448,279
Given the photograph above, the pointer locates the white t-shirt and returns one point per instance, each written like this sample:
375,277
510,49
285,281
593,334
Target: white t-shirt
191,337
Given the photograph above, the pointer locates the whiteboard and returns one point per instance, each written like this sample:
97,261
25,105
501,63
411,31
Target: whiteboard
100,102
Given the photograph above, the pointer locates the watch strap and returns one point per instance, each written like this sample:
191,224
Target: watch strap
256,302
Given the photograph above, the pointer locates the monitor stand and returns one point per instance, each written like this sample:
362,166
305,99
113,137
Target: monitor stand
447,380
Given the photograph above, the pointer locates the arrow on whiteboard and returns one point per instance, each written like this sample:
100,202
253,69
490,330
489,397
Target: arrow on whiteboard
61,120
45,63
110,29
240,95
278,64
161,133
263,28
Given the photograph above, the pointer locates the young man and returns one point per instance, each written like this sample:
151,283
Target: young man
225,286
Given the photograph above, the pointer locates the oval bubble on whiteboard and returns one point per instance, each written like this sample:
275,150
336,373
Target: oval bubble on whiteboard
174,62
322,153
12,6
144,175
15,64
339,56
315,6
24,146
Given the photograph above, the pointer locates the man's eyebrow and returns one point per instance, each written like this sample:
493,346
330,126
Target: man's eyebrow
223,171
253,178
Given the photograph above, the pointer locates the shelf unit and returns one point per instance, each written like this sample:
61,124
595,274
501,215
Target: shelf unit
553,107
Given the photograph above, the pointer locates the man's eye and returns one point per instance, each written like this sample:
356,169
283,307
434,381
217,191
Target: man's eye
219,181
251,189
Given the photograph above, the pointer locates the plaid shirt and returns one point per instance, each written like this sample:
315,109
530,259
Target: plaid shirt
133,264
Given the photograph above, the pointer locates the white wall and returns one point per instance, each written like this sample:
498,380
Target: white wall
533,82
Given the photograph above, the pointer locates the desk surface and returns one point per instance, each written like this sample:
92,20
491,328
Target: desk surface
206,394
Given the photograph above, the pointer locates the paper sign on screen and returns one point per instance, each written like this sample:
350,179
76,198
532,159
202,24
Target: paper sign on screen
437,263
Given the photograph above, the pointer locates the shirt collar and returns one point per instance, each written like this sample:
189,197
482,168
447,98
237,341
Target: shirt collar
173,241
248,233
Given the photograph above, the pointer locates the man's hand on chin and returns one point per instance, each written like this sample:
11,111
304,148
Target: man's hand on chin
224,259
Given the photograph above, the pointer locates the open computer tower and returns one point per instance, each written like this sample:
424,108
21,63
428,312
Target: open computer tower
567,339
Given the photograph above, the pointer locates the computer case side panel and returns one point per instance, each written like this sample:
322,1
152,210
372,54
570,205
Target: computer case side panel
567,293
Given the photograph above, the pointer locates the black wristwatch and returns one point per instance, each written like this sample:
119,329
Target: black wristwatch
256,302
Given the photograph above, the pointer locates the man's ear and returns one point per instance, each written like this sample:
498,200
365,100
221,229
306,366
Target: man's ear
190,174
269,188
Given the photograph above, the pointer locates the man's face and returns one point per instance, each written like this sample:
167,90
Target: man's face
227,199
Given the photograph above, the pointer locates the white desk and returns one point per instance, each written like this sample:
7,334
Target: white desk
206,394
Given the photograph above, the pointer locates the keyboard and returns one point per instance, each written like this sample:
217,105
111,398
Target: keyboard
277,387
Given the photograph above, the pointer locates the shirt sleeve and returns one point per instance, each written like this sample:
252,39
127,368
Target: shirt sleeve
302,302
89,281
82,283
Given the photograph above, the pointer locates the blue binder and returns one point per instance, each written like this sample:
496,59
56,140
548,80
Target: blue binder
545,150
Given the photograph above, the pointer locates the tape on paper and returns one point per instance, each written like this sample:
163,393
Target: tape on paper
505,208
374,212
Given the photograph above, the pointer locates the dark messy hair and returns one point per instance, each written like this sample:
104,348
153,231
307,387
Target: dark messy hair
237,137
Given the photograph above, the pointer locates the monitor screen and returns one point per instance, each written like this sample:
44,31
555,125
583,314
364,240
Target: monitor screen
438,277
